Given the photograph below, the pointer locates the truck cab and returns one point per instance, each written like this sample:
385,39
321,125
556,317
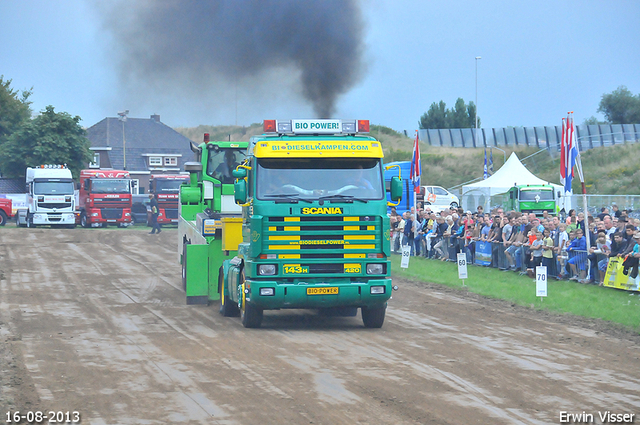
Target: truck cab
50,197
104,198
315,230
167,187
532,199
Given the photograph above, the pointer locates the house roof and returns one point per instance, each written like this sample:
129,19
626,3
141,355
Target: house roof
141,136
11,185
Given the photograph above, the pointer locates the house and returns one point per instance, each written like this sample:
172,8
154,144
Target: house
139,145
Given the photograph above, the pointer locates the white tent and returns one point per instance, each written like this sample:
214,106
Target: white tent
510,174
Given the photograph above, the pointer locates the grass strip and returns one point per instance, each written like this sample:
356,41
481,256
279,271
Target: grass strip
617,306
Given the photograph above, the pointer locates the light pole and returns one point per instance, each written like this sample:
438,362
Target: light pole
477,57
123,118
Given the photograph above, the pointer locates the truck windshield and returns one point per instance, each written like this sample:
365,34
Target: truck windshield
319,178
168,186
53,188
110,186
223,162
536,195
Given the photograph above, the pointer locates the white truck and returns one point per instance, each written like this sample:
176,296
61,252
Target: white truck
50,197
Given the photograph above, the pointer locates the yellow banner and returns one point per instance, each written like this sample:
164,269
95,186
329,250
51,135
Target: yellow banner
615,277
318,149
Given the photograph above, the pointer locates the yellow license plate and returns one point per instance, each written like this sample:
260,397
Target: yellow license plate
322,291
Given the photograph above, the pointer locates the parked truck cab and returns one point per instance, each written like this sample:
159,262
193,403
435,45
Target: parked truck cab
167,187
104,198
532,199
50,197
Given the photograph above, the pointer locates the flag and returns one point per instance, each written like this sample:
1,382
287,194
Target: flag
415,165
486,174
568,153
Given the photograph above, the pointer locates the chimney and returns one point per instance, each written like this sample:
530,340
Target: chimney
155,117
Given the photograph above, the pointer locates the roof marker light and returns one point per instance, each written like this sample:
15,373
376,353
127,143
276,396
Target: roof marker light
363,126
269,126
206,137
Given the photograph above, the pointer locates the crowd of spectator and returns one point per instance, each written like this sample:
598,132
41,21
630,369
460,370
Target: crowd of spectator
520,242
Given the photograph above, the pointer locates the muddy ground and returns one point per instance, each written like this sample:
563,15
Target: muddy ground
94,321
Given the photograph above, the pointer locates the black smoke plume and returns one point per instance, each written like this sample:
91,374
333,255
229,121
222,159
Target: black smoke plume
204,43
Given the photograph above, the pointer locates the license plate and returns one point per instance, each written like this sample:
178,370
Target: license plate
322,291
111,221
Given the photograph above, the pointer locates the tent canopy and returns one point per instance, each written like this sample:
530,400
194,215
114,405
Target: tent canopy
510,174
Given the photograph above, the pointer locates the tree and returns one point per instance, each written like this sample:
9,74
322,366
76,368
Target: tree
620,106
438,116
50,138
14,108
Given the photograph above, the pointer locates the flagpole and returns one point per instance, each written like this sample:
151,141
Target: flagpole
584,188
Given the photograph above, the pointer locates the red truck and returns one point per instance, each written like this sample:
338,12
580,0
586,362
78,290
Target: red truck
104,198
167,186
6,206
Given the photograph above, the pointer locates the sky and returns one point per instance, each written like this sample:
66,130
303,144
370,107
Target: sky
539,60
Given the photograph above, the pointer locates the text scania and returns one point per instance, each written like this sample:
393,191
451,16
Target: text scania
326,210
317,126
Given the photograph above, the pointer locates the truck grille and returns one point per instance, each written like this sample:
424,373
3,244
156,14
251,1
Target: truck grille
52,205
110,202
111,213
318,244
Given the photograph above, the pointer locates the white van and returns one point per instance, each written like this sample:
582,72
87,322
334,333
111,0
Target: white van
439,197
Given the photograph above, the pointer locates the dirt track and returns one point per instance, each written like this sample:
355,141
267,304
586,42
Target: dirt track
93,320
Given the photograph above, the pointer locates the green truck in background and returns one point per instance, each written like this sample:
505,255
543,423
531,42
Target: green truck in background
314,231
531,199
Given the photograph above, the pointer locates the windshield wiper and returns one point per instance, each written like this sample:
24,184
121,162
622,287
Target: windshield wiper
286,197
340,197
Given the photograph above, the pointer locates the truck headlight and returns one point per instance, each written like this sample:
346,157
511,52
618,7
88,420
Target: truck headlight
267,292
377,290
267,269
95,214
375,268
127,214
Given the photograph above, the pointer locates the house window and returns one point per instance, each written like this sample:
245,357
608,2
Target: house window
95,162
155,161
171,161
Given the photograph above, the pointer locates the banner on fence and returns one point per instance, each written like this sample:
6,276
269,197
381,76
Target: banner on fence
615,277
483,253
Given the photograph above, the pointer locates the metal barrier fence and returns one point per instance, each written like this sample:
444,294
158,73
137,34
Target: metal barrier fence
549,137
574,265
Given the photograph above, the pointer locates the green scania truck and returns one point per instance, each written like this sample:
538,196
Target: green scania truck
314,231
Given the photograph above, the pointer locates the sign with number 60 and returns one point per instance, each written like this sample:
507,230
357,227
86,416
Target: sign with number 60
462,265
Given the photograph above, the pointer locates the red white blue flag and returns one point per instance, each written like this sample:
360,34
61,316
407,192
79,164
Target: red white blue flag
568,153
415,165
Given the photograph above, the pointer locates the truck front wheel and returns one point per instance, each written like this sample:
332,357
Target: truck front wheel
30,220
3,218
250,315
227,307
373,317
83,220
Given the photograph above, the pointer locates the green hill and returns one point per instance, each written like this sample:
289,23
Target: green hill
613,170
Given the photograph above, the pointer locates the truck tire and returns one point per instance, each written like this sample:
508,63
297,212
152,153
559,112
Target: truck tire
373,317
3,218
227,307
250,315
83,220
30,221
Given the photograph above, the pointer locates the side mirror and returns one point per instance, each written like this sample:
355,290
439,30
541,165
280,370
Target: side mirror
396,189
240,190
